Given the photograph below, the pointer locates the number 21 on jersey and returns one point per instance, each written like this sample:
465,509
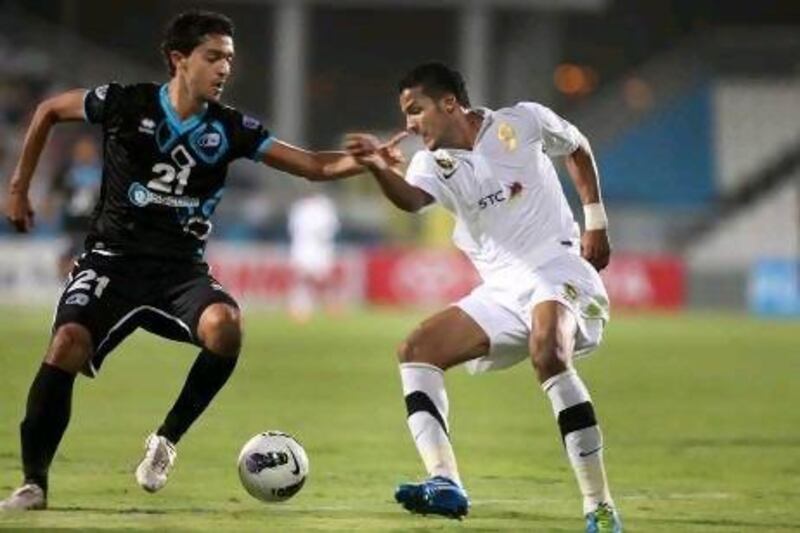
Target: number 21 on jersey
173,179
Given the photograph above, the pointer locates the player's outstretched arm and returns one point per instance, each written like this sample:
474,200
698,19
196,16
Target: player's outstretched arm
63,107
581,166
314,166
384,161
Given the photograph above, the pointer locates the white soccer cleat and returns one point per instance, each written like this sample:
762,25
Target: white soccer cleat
28,497
159,456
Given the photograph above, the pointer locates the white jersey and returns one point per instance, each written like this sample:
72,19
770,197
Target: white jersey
510,210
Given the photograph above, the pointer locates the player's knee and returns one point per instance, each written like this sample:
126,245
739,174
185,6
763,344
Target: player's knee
220,329
414,349
545,353
70,348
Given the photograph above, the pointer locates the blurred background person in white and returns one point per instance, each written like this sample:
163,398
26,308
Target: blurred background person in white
313,225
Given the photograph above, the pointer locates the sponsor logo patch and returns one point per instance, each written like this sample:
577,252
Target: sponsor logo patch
141,196
77,299
147,125
250,122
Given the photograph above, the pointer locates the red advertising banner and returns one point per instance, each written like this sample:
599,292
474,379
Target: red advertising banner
418,276
428,277
645,282
437,277
264,275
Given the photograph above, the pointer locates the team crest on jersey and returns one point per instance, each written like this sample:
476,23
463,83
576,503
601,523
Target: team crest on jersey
446,162
209,140
507,136
101,92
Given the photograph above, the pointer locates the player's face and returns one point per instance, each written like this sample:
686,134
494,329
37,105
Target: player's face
208,66
427,117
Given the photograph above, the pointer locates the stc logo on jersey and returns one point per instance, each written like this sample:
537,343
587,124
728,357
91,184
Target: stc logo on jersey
498,197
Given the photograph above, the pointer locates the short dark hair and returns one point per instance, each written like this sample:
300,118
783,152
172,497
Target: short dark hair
187,31
436,79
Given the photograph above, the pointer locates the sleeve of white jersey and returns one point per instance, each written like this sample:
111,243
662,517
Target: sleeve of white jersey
558,136
422,173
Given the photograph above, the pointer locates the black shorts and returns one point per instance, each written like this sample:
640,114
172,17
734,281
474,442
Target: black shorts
112,296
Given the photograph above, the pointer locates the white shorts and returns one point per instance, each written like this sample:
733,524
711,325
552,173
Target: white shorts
505,312
316,262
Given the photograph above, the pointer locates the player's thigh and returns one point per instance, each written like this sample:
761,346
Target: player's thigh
446,339
568,310
99,296
195,307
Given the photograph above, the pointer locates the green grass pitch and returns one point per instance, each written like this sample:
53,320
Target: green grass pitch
699,414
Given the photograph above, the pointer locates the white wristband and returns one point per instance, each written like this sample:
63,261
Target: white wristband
594,217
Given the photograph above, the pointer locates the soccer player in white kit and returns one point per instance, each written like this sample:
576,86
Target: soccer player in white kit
313,225
540,297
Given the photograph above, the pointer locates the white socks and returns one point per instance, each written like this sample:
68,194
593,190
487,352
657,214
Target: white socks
583,441
427,407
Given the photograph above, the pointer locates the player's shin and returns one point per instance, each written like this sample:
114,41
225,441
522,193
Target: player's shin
46,418
207,376
427,407
583,440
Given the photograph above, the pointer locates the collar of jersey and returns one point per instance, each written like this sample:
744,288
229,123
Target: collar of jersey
487,121
488,118
180,126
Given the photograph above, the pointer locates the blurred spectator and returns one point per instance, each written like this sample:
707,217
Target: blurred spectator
313,225
75,189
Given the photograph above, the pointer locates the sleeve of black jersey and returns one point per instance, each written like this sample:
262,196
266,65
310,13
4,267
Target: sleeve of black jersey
99,103
249,138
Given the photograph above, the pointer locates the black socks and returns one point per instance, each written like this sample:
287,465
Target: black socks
46,419
207,376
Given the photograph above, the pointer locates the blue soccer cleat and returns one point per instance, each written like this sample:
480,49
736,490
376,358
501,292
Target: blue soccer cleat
604,519
437,495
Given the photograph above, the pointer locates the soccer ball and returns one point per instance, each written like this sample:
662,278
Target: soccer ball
273,466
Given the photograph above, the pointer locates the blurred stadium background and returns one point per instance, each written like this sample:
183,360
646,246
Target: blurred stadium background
693,109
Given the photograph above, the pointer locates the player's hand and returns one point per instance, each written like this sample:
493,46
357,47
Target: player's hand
19,212
370,152
596,248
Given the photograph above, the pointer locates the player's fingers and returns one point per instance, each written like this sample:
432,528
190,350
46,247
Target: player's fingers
355,147
600,260
396,138
588,252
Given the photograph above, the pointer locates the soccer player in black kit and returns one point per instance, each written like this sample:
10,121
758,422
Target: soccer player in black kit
166,150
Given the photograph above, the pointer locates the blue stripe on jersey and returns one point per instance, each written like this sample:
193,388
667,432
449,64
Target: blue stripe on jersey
258,155
180,126
166,136
209,205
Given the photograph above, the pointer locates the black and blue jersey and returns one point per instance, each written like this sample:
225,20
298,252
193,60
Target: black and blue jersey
163,176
